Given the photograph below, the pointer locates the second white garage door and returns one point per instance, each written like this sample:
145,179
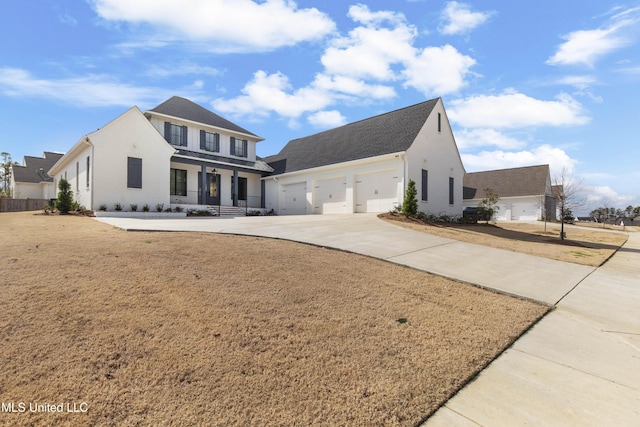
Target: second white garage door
331,196
377,191
294,199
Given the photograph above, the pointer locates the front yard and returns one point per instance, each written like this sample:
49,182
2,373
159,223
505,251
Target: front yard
206,329
586,246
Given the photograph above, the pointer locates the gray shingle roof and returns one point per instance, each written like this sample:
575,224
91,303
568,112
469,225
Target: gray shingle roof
514,182
384,134
35,169
185,109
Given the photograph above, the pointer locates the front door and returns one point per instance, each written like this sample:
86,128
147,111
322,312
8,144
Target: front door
213,192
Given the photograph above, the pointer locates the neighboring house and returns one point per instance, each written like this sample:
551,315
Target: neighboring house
524,192
31,181
365,166
177,153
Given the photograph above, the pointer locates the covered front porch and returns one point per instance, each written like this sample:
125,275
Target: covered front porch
217,185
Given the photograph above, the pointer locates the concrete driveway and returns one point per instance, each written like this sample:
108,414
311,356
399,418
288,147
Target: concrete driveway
580,365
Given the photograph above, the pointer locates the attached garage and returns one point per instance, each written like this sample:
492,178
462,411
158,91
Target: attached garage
377,191
524,212
294,199
330,196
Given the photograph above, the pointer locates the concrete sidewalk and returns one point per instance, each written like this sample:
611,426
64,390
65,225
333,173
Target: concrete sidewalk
580,365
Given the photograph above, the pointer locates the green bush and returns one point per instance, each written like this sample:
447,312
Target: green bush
145,208
160,207
134,207
118,207
64,202
410,202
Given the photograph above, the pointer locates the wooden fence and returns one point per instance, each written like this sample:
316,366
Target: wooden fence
19,205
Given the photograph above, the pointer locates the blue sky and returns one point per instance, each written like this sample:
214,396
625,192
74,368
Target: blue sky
523,82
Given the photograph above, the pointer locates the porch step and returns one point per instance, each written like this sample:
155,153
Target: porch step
228,210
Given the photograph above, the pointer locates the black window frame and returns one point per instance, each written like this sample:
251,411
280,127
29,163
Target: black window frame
243,145
175,138
134,172
173,182
209,141
451,188
425,185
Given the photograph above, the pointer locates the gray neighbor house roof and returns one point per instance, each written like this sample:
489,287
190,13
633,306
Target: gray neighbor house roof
185,109
387,133
514,182
34,169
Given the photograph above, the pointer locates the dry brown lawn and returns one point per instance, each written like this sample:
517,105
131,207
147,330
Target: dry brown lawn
206,329
586,246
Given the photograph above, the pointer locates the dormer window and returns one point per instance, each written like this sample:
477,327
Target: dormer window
175,134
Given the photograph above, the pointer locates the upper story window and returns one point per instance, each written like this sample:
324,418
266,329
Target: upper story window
175,134
239,147
210,141
439,122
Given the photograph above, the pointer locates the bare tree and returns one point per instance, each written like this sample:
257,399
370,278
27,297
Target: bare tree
569,196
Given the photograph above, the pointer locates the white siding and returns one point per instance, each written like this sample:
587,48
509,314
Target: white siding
437,153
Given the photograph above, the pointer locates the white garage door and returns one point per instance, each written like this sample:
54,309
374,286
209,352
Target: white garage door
331,196
294,199
524,212
377,192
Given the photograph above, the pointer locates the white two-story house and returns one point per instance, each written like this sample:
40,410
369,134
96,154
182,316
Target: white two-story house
177,153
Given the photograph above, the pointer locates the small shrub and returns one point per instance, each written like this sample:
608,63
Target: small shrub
145,208
64,202
178,209
160,207
117,207
103,207
134,207
168,210
410,202
47,209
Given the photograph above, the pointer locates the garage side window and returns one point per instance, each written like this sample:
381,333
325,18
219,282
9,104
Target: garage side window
134,172
451,191
425,185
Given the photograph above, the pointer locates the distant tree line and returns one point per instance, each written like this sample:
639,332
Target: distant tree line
601,214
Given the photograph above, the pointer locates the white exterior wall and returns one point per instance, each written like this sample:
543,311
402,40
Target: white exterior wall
130,135
437,153
25,190
349,173
77,175
193,137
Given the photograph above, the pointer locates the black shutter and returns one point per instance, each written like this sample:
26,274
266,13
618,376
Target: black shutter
167,131
184,136
203,140
134,172
216,138
245,145
233,147
425,185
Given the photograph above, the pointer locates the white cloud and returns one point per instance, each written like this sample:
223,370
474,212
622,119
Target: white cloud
587,46
95,90
514,110
466,139
458,18
327,119
438,70
268,93
224,25
580,82
360,67
555,157
369,52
